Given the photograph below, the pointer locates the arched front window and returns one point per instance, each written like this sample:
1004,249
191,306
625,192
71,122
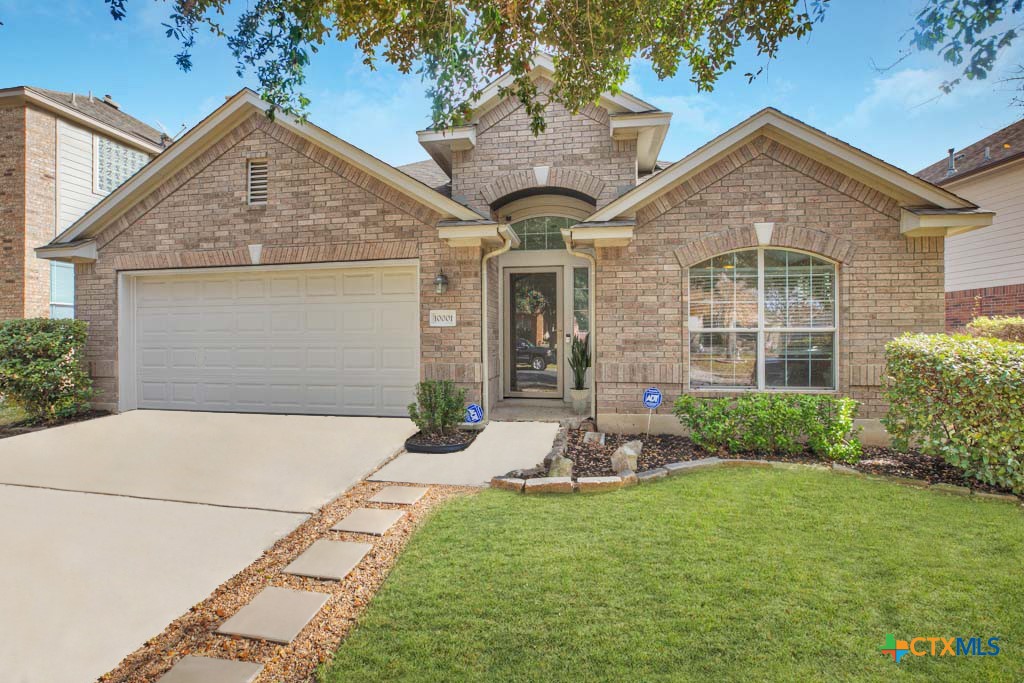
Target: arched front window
542,232
763,319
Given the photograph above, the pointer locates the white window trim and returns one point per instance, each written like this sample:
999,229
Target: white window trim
761,330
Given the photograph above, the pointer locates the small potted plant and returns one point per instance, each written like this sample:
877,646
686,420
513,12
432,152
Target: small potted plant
579,361
438,411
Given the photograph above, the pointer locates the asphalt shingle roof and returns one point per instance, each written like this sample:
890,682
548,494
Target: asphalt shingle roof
1003,146
94,107
430,174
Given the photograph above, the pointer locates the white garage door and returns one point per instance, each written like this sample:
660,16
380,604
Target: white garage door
338,341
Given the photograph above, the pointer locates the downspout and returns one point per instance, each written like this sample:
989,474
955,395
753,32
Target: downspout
508,241
567,238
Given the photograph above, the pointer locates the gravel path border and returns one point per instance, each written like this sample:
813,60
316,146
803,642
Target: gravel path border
193,633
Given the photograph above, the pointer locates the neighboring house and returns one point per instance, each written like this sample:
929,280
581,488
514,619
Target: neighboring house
60,153
985,268
268,266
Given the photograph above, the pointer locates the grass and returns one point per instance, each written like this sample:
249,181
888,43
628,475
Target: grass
10,415
727,575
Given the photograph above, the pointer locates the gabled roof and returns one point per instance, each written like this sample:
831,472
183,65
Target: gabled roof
430,174
1001,147
104,114
630,118
214,127
909,190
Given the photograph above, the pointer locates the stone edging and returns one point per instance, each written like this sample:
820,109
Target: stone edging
628,478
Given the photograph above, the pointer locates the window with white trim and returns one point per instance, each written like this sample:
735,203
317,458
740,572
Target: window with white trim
62,290
763,319
257,181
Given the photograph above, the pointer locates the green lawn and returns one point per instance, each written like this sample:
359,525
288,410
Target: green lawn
726,575
9,415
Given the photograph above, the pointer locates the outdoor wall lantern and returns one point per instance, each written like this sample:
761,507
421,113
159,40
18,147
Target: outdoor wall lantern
441,283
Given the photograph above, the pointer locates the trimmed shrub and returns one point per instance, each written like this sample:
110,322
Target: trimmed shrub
1000,327
768,423
960,398
439,408
42,367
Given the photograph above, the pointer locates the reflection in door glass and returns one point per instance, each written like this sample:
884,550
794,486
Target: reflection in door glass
534,326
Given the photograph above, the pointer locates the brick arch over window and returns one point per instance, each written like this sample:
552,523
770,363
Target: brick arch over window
793,237
540,178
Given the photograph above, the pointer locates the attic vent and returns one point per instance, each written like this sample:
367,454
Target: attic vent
258,181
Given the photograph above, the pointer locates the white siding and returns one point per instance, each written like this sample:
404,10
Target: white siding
992,256
75,193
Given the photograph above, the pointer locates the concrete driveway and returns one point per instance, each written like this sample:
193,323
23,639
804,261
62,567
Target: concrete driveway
116,526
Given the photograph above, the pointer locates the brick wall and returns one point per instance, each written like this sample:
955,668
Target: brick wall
965,305
320,209
40,207
888,284
12,212
579,147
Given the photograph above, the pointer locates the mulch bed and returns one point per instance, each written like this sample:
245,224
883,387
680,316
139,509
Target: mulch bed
458,437
594,460
27,427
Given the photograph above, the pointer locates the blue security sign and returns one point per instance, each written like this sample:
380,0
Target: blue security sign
474,413
652,398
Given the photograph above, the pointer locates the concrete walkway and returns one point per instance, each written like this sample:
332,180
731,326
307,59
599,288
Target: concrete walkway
503,446
114,527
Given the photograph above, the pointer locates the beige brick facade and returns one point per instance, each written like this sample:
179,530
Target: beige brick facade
888,284
320,209
12,212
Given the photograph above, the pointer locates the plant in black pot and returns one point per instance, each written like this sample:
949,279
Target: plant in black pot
438,411
579,361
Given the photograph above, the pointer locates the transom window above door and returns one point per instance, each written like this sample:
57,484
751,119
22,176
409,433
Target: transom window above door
763,319
542,232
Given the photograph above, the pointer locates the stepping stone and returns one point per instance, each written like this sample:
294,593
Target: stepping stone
209,670
276,614
329,559
369,521
399,495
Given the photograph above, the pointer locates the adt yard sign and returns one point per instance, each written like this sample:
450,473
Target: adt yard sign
652,398
474,413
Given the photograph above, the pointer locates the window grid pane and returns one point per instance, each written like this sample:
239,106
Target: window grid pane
796,324
543,232
581,300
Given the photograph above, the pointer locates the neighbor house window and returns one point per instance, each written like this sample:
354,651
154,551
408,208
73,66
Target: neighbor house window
543,232
257,181
62,290
763,319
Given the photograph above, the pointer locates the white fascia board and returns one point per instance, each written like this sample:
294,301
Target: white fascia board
440,144
942,224
43,102
486,234
627,204
648,129
606,236
79,252
230,113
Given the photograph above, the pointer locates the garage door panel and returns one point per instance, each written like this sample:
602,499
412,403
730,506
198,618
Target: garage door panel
339,341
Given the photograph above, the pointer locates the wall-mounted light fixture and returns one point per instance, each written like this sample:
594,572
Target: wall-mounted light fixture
441,283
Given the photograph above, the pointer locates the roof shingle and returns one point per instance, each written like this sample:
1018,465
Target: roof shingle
96,108
1004,145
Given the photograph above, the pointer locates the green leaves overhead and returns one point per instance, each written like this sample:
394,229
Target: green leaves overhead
461,45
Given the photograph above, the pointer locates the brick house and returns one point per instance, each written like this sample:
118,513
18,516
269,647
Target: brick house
60,153
269,266
985,268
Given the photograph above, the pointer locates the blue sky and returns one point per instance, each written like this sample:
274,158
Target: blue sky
828,80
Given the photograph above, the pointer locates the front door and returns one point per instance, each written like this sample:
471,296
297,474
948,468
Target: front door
533,332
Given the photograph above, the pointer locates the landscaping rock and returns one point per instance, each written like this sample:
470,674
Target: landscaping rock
526,473
846,469
651,475
625,456
1005,497
674,468
595,484
588,426
594,437
950,488
507,483
560,467
548,485
628,477
744,462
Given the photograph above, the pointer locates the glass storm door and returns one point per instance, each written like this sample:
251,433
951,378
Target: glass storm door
533,332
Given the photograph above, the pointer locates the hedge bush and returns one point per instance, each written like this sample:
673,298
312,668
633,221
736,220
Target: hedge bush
1000,327
960,398
42,367
440,406
767,423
